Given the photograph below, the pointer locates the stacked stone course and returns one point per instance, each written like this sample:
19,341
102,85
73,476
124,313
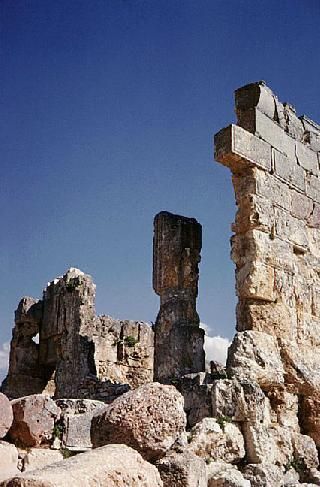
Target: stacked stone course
274,158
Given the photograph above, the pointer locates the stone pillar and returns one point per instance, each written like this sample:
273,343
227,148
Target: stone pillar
24,375
178,337
66,335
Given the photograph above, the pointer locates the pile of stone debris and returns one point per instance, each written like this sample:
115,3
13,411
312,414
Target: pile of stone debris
140,439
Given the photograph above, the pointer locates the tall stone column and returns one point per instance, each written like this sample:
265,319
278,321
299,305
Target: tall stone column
178,337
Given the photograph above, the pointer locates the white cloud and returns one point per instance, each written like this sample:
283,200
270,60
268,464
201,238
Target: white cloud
215,347
4,357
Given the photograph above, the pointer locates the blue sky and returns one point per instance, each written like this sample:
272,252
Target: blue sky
108,109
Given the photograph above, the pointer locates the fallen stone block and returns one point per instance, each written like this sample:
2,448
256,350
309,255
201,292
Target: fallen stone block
108,466
149,419
34,418
6,415
263,475
182,469
36,458
8,460
217,439
222,474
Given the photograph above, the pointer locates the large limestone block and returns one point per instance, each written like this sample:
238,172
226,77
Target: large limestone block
217,440
150,419
256,95
222,474
108,466
34,418
238,149
301,366
255,356
8,460
182,469
76,416
263,475
6,415
260,444
36,458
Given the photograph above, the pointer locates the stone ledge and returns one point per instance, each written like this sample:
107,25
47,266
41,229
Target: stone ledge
237,149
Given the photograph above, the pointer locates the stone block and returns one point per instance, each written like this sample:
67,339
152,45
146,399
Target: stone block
182,469
36,458
255,95
307,158
255,356
6,415
150,419
273,189
255,281
263,474
302,206
238,149
288,169
108,466
8,460
33,420
313,188
221,474
290,228
266,129
217,440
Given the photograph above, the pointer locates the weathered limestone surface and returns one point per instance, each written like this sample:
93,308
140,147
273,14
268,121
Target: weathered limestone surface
182,469
6,415
33,420
178,337
108,466
8,460
149,419
274,159
220,442
75,422
79,355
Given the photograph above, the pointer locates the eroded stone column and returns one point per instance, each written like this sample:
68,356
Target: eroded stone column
178,337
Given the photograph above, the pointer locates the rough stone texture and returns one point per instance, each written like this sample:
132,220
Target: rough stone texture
36,458
25,375
78,354
75,422
178,338
222,474
214,440
255,356
8,460
274,159
182,469
263,475
149,419
109,466
34,418
196,390
6,415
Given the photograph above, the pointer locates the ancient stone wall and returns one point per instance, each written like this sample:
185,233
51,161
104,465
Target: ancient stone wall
274,157
176,255
79,354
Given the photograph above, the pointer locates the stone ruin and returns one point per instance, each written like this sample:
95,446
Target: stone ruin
178,337
79,354
255,422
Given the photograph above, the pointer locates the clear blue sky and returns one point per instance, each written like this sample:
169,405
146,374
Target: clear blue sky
107,112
